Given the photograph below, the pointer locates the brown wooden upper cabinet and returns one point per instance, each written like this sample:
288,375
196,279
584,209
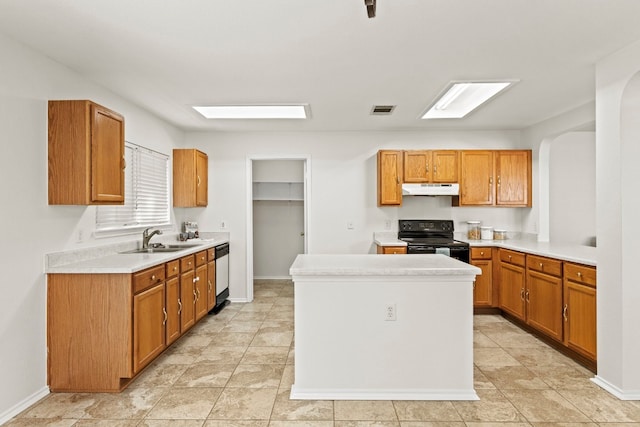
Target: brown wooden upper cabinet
438,166
190,178
390,177
495,178
85,154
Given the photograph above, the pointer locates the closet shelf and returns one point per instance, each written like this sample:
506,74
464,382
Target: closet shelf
286,191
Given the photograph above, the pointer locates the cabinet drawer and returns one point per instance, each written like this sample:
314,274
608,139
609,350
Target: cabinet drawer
392,250
201,258
173,268
480,253
544,265
580,273
147,278
187,263
211,254
512,257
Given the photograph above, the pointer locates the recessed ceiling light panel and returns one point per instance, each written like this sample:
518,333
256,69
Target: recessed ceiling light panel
461,98
253,111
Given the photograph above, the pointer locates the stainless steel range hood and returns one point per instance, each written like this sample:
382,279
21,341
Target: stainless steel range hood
430,189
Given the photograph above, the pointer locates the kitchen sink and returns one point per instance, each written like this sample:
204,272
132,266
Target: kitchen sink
160,249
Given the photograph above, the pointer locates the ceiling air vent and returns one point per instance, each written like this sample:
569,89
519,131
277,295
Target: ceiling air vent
381,110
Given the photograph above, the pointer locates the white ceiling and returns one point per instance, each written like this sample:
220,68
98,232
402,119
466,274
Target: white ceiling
168,55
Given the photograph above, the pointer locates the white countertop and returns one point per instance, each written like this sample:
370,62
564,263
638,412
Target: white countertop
574,253
110,261
379,265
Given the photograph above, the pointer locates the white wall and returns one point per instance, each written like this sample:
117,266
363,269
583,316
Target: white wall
618,204
31,227
539,138
343,186
572,188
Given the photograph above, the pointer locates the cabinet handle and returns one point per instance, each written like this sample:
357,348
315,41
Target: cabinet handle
195,296
527,296
209,281
164,311
153,277
474,284
427,167
522,294
397,180
564,313
198,178
490,180
198,292
196,279
189,263
509,257
541,266
498,179
481,253
179,306
202,258
124,163
579,274
175,268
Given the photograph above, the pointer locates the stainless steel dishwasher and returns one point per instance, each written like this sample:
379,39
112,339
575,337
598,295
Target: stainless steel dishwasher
222,277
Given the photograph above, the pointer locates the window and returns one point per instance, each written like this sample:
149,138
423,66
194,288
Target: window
146,193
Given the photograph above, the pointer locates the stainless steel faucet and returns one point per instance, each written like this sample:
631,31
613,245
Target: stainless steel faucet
146,236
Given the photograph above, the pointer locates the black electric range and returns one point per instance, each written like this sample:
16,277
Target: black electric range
430,236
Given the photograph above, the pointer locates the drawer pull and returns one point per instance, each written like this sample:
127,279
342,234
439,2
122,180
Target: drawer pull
175,268
509,257
164,311
153,277
540,265
482,253
564,313
579,274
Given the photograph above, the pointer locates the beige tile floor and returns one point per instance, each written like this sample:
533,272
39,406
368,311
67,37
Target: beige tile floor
236,369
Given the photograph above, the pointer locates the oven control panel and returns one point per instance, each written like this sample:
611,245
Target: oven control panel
425,225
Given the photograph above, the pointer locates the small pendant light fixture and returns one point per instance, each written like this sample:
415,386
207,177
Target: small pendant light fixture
371,8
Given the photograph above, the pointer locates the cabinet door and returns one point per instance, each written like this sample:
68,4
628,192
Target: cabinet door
445,166
482,287
513,178
476,178
173,308
202,179
187,298
544,303
389,177
149,317
200,286
512,280
211,285
107,156
417,166
580,318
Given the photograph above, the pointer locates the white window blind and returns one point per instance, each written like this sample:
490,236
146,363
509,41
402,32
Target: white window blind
146,193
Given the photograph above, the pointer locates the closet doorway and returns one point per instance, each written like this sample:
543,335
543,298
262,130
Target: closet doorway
278,217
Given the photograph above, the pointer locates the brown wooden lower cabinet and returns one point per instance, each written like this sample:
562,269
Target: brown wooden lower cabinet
512,282
579,311
392,250
556,298
103,329
483,285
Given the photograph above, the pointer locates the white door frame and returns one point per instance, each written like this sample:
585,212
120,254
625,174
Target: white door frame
249,233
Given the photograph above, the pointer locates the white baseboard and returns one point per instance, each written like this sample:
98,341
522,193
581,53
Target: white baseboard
271,277
238,299
23,404
616,391
328,394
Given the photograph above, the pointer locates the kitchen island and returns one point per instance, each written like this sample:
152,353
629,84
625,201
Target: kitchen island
379,327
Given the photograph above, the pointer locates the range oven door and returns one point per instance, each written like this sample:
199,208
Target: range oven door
460,253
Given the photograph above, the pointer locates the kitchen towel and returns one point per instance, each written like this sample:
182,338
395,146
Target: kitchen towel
443,251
